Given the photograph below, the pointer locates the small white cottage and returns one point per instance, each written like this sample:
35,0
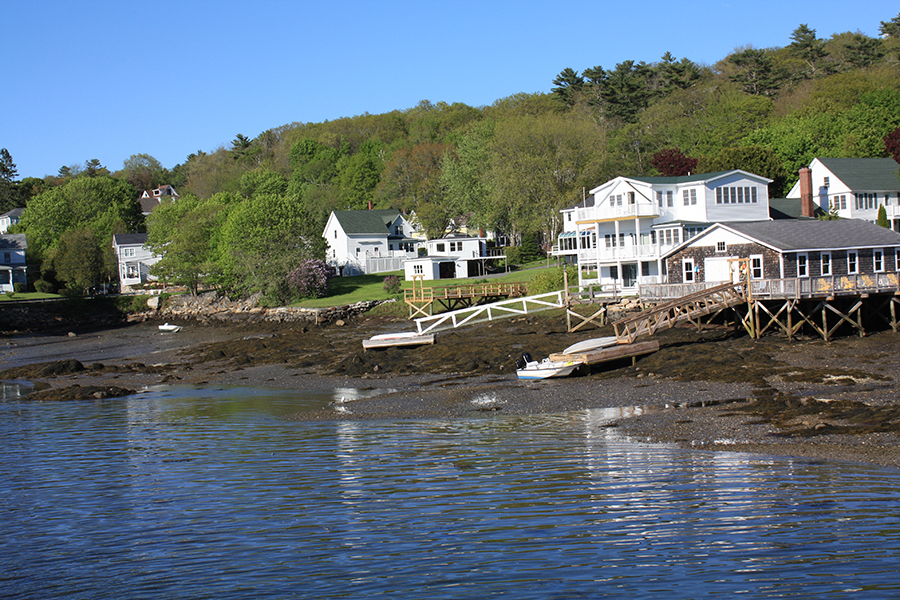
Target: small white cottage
451,258
134,259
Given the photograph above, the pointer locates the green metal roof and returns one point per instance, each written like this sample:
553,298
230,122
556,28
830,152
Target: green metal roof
356,222
865,174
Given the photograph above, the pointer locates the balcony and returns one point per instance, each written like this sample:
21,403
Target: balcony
612,213
626,252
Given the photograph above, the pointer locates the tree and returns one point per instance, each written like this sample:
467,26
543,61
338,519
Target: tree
671,162
185,234
568,85
807,47
264,238
93,168
863,51
756,72
463,173
622,92
9,192
78,260
890,28
411,182
892,144
882,219
143,172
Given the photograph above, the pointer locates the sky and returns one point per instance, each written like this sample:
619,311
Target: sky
108,79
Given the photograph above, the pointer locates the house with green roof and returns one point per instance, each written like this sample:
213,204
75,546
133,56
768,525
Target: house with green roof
855,188
620,232
368,241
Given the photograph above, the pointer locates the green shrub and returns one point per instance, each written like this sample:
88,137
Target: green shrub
551,280
20,287
513,255
44,287
392,284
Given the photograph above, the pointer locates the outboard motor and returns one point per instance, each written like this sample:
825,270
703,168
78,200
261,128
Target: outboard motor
520,363
527,357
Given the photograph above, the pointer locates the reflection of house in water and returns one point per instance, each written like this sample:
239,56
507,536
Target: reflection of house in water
454,258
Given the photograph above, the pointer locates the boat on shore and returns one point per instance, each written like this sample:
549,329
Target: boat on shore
169,328
401,338
591,344
526,368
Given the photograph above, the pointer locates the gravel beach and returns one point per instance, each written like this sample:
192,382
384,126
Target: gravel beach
715,390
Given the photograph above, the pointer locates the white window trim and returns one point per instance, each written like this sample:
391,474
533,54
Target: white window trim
855,269
805,263
822,269
688,271
762,266
878,263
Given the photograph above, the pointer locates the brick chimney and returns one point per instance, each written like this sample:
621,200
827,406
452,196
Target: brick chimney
370,203
807,207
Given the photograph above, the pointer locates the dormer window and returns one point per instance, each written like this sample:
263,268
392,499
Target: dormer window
156,192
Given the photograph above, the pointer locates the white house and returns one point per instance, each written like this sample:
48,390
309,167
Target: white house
855,187
451,258
150,199
12,261
8,219
619,234
368,241
134,259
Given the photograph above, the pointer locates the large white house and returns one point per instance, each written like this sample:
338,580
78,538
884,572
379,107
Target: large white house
619,234
12,261
368,241
134,259
855,187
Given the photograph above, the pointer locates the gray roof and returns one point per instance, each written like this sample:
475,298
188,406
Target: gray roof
357,222
14,213
870,174
130,239
13,241
790,208
695,178
791,235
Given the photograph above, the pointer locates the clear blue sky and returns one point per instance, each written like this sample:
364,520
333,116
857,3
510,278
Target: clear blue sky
107,79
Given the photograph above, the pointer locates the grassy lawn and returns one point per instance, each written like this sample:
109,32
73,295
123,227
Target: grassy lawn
27,296
361,288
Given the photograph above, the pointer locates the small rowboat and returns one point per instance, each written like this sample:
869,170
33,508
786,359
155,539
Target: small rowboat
545,369
404,338
170,328
589,345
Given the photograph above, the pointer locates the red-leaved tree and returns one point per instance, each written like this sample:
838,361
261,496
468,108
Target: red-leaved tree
892,144
671,162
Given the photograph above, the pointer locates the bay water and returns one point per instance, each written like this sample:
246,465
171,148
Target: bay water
181,492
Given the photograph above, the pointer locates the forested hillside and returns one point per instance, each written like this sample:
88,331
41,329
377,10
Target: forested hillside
251,210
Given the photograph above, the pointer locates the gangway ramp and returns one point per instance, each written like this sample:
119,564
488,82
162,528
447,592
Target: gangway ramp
686,308
488,312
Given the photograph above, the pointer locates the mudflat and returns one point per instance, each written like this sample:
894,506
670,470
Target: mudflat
713,390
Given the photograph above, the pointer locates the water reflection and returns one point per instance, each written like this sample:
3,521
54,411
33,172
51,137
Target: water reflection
210,492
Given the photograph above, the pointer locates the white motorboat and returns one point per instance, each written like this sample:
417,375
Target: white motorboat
170,328
526,368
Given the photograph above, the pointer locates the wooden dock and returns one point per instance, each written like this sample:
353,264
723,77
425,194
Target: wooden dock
611,353
421,300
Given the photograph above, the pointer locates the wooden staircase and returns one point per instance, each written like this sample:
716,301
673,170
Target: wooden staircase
687,308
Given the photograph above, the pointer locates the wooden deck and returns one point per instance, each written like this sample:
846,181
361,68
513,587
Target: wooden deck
608,354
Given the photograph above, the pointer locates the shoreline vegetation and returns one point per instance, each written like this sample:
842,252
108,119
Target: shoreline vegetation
717,390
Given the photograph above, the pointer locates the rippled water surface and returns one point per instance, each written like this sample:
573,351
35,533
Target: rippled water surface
215,494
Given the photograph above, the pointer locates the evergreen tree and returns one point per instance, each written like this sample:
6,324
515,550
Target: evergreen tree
9,192
882,218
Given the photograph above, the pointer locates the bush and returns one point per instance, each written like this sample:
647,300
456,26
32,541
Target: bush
20,287
43,286
392,284
310,278
551,280
513,255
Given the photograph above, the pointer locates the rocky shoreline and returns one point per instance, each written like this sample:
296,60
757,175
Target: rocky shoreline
715,390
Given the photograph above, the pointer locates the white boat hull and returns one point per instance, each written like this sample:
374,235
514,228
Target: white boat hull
547,369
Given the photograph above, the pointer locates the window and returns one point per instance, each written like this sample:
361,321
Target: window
418,270
132,272
756,266
839,202
865,201
878,260
127,252
897,259
736,195
720,246
645,269
455,246
827,182
826,264
614,272
689,196
610,240
852,262
439,247
630,197
659,198
802,265
688,264
7,258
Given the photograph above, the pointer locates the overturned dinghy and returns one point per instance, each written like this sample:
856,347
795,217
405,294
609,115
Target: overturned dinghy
169,328
527,368
406,338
